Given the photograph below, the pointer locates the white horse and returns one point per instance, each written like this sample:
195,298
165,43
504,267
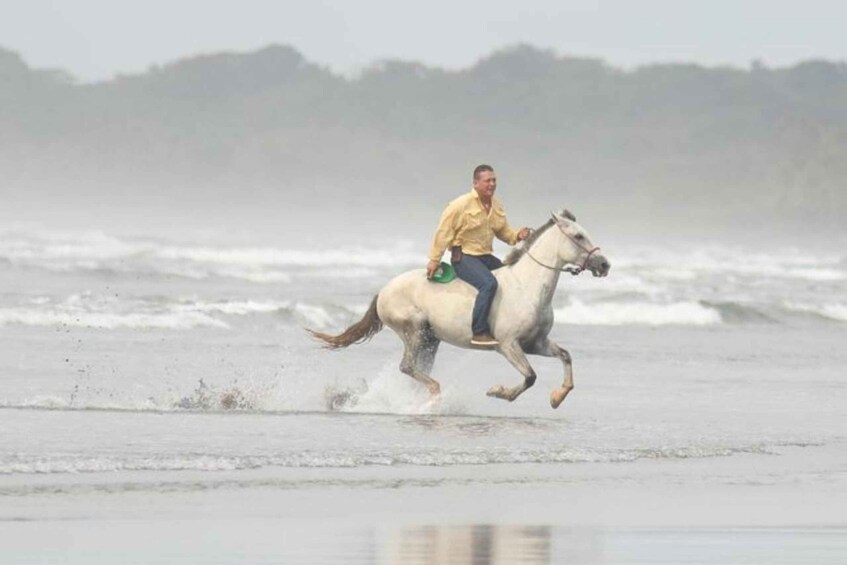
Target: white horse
424,313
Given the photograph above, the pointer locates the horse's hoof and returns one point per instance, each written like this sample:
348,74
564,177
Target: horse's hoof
431,405
496,391
557,396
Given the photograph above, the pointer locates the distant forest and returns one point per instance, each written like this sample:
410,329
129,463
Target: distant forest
680,142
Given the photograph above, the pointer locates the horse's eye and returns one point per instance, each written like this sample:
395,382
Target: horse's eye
580,237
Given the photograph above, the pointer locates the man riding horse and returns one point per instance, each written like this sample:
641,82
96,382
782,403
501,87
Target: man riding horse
468,226
423,315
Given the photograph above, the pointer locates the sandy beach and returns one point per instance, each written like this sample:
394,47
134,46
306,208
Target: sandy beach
740,509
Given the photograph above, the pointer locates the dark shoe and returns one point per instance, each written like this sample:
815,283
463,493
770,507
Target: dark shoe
484,339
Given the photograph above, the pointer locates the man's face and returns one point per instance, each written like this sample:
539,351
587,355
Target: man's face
485,184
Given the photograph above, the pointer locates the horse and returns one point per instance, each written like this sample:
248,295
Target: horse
423,313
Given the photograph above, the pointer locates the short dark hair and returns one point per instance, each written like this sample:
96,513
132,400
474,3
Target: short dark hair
481,169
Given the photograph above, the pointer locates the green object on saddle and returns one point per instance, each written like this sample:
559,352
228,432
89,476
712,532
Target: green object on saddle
444,273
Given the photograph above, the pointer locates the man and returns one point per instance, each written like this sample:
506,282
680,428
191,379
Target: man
468,227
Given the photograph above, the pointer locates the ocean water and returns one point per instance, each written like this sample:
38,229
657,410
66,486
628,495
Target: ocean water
171,368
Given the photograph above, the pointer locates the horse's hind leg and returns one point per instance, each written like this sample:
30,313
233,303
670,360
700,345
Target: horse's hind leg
419,356
547,348
515,355
427,352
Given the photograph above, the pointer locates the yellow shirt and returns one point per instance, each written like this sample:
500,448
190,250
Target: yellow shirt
465,222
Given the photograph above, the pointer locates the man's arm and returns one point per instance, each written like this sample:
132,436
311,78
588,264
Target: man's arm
516,236
431,267
508,235
444,235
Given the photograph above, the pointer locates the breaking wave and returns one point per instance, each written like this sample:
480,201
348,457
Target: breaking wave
90,310
837,312
687,287
96,252
183,321
690,313
637,313
95,311
688,264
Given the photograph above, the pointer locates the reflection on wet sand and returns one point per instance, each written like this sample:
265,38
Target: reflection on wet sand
477,545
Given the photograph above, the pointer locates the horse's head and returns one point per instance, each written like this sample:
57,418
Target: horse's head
576,247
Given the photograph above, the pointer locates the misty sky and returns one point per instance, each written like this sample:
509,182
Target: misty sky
94,39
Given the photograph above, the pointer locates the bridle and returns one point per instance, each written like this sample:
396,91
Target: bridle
572,270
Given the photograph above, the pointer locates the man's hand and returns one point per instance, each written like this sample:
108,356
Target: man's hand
524,233
431,267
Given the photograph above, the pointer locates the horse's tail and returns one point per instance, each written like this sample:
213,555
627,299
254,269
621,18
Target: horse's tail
361,331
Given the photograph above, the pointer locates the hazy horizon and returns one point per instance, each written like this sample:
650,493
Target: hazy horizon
198,110
279,139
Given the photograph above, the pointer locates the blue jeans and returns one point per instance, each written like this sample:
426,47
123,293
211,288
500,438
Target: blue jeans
476,271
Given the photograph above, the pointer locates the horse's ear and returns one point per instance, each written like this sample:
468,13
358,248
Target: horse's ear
563,214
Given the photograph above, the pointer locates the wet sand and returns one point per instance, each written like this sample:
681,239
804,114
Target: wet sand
751,508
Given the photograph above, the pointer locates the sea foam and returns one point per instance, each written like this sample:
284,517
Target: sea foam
96,251
830,311
110,321
390,456
639,313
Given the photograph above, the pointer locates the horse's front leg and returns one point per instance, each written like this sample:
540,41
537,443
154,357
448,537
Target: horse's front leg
516,356
547,348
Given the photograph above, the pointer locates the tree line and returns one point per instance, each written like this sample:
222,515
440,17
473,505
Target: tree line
667,139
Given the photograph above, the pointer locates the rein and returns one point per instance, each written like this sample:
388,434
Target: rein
572,270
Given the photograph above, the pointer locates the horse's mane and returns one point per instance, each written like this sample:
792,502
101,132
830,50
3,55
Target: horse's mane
518,252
